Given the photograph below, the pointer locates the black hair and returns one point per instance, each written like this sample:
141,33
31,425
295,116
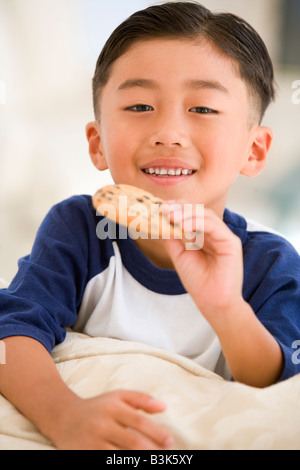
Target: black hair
227,32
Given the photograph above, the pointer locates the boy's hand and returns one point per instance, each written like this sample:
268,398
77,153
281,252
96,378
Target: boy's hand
213,274
112,421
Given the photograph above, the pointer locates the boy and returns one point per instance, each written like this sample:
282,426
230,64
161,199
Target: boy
179,95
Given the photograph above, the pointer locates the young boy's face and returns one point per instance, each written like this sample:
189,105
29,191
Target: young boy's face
172,105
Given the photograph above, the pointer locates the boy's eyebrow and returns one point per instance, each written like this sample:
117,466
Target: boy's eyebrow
200,84
138,82
192,84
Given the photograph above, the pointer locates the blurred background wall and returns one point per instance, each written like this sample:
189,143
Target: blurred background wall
48,51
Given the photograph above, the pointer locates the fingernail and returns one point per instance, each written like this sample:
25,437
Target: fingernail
169,442
158,402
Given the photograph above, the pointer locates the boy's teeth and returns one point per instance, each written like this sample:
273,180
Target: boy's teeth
170,172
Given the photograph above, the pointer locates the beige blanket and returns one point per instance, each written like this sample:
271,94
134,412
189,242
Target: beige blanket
204,411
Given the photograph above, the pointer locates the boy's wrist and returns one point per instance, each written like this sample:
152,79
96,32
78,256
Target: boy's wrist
221,316
55,421
253,355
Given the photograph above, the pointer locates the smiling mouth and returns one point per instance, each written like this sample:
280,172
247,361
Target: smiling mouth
170,172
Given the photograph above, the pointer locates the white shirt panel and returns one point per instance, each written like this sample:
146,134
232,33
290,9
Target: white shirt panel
115,305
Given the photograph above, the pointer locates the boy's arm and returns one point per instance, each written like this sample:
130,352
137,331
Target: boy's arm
213,276
254,356
31,382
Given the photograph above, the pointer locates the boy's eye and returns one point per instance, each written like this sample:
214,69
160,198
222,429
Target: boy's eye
203,110
139,108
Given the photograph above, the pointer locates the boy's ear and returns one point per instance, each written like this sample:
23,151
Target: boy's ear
95,145
259,150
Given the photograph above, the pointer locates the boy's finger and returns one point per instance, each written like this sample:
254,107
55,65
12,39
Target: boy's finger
151,433
189,216
143,401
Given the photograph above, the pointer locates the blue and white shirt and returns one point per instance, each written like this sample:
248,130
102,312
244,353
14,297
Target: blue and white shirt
109,288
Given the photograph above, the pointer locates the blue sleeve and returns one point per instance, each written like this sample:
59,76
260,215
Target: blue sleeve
44,296
272,287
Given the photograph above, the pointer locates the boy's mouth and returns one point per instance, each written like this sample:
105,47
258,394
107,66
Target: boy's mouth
168,172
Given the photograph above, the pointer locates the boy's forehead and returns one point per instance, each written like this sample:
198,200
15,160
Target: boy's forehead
192,62
174,67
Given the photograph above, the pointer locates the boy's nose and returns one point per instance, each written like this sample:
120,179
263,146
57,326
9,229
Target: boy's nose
170,132
168,143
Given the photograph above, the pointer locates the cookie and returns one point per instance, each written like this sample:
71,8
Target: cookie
136,209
